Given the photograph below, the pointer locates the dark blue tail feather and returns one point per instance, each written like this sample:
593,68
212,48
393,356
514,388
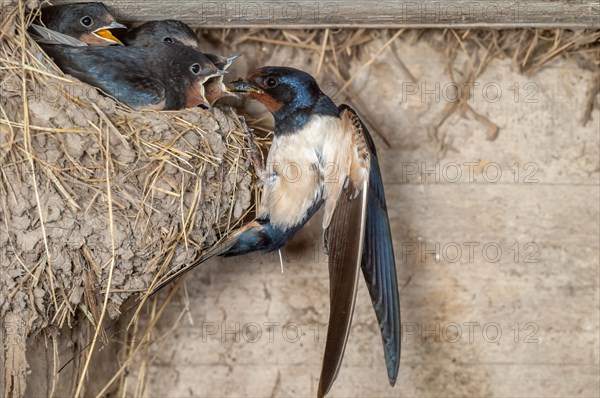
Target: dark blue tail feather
263,236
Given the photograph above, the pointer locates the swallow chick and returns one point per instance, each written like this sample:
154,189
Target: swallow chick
173,31
160,77
90,23
168,31
336,168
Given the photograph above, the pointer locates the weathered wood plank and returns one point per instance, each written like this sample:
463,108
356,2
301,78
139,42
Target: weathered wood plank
344,13
427,379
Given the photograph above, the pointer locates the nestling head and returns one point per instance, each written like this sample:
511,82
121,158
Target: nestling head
167,31
192,67
88,22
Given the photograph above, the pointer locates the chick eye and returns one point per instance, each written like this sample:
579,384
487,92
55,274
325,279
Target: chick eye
195,69
168,40
270,82
87,21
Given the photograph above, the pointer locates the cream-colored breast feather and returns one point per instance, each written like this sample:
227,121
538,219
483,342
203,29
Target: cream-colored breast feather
307,166
293,182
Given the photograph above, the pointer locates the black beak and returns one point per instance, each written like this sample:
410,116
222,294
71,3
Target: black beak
241,86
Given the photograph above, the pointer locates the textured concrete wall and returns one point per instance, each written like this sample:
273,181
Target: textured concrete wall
515,315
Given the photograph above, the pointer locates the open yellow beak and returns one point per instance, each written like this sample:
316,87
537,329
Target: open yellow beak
106,34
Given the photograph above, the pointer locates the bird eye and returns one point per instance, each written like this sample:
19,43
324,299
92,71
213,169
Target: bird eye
87,21
168,40
195,69
270,82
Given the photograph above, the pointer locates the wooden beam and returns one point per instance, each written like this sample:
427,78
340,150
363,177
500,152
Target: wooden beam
373,14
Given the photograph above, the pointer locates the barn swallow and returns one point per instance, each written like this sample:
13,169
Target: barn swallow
160,77
336,169
88,22
168,31
173,31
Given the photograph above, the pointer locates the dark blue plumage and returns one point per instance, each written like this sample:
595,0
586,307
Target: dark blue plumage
160,77
265,237
298,96
378,261
379,275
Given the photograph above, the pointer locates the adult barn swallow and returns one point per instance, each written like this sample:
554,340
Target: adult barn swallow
173,31
161,77
88,22
337,169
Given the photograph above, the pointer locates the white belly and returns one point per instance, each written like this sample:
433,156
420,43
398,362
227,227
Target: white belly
296,170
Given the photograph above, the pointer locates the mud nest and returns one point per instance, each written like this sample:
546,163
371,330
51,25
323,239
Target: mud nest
98,201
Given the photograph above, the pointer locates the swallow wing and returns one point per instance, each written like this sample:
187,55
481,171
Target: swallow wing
141,91
378,263
118,71
345,216
43,35
343,239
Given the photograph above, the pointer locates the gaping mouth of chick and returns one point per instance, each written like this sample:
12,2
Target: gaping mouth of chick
104,32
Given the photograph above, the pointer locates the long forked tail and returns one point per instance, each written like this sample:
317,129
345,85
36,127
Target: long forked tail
258,235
